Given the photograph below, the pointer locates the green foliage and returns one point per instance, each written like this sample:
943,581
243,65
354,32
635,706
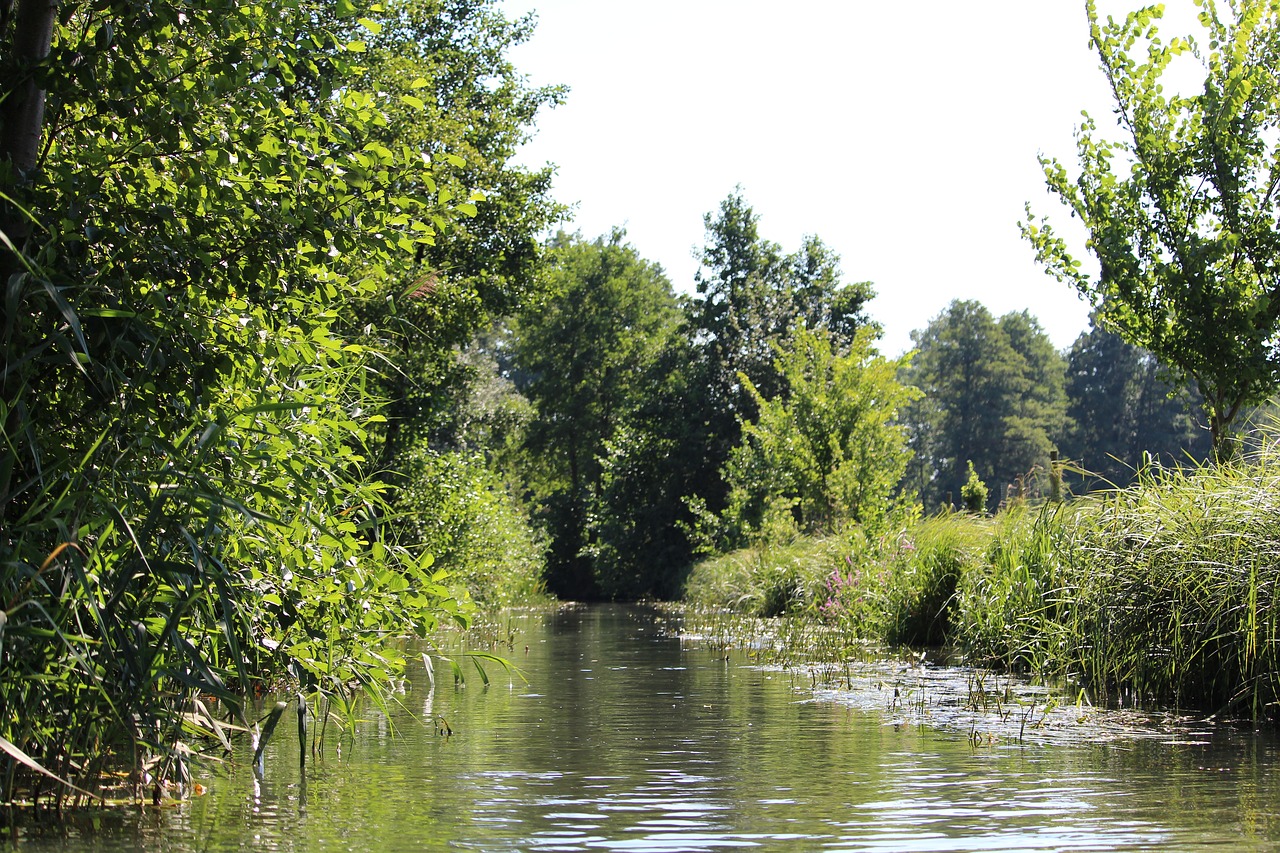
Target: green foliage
925,564
641,546
587,359
749,297
1181,210
899,587
1176,585
1160,595
828,452
451,505
973,494
185,502
993,397
452,90
768,580
1123,408
1008,600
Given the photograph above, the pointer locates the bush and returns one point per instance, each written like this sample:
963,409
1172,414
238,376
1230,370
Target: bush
454,507
771,580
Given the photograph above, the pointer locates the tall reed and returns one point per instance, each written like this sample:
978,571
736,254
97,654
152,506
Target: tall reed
1174,589
1161,594
179,543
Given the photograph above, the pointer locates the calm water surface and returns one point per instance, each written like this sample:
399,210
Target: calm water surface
628,738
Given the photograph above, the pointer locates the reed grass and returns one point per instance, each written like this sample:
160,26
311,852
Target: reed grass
1173,589
1163,594
169,547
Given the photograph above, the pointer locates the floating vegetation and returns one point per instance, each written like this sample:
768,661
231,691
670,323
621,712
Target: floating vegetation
921,689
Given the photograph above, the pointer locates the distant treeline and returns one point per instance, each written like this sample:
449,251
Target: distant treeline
661,426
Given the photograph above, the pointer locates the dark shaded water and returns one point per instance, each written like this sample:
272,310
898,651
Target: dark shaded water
627,738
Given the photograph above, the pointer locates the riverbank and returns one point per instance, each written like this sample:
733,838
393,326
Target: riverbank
1160,595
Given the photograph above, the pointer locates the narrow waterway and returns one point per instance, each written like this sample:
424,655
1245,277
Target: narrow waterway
627,737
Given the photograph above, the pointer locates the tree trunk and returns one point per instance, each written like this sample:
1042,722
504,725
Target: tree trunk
21,122
22,108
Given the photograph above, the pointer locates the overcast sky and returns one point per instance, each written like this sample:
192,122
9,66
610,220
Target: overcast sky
905,135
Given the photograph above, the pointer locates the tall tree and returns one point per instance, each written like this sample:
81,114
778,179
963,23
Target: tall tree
454,92
749,296
993,396
1038,419
584,358
643,546
1122,405
1182,209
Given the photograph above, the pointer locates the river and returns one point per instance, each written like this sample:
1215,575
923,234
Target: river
627,736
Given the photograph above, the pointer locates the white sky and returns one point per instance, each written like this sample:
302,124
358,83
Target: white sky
905,135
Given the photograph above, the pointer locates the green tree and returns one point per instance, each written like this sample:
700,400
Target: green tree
749,296
453,91
993,396
830,450
1038,419
1121,406
1181,209
584,359
973,494
185,504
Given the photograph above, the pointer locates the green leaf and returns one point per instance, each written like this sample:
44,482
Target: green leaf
26,760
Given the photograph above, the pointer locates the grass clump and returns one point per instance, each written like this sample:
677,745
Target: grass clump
1175,589
768,580
922,569
1009,601
1162,594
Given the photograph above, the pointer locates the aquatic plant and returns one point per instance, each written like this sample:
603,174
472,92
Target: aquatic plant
1174,589
1002,614
1163,593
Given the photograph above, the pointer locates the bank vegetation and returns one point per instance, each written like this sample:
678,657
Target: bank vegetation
1164,594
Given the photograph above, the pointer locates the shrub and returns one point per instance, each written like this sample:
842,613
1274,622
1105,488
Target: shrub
453,506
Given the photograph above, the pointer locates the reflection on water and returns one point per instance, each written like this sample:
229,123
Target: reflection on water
626,739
